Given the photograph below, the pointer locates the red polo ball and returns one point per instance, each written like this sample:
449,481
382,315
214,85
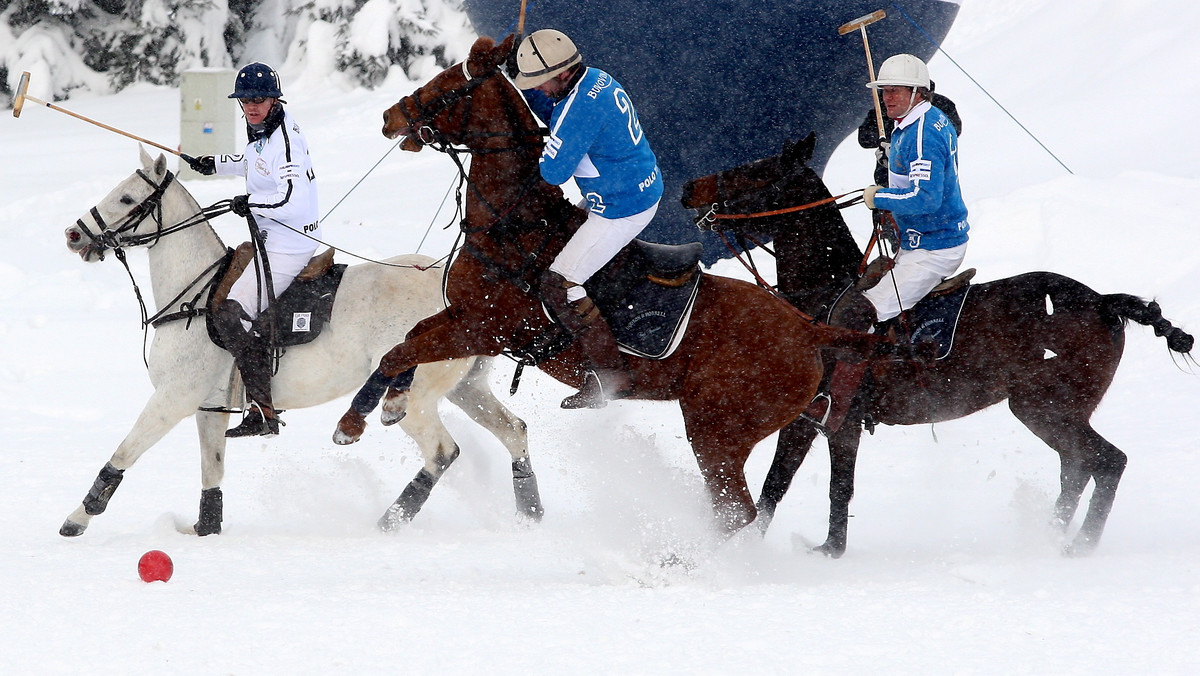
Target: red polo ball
155,566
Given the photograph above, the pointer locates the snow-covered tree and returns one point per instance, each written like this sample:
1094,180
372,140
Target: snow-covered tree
103,46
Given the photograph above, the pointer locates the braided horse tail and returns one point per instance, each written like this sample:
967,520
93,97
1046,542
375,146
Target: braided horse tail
1122,307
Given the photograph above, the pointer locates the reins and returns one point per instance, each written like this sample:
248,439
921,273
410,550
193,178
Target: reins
708,219
430,136
151,207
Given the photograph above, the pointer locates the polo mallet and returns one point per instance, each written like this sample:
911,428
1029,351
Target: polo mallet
521,22
860,24
23,96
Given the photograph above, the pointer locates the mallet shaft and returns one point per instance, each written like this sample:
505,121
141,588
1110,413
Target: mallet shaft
22,97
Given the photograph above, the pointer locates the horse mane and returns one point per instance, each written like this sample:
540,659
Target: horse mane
487,54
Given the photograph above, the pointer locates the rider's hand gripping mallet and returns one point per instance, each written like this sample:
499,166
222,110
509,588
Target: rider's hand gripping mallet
23,96
860,24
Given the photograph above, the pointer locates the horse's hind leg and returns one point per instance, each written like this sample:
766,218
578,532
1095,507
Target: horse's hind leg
1084,454
474,396
1072,479
425,427
795,441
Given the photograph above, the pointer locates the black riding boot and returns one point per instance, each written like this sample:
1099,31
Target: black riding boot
828,409
254,360
606,379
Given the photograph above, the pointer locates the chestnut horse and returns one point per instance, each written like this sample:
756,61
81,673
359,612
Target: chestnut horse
747,365
1046,343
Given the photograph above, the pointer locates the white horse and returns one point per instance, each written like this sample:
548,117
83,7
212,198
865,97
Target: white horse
375,307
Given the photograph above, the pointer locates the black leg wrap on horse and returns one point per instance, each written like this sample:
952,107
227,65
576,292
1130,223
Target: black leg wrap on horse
411,499
212,512
102,490
525,488
370,393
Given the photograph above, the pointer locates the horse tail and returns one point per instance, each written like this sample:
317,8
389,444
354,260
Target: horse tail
1122,307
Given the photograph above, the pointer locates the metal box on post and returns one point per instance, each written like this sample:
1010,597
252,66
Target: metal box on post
207,116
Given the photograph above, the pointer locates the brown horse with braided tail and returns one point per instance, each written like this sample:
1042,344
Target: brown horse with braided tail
747,365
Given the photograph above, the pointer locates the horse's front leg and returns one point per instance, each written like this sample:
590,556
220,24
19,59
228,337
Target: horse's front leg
795,440
162,412
843,456
397,369
395,402
211,427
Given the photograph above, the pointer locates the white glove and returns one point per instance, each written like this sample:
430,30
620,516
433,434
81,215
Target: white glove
881,153
869,195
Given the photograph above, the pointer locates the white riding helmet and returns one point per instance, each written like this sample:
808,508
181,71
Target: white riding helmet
902,70
543,55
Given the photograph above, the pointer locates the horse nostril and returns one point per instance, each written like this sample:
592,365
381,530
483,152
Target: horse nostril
73,236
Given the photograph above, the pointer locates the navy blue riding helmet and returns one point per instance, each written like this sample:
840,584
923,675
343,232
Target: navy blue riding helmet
254,80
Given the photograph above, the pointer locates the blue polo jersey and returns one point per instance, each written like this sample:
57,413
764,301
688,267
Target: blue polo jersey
596,138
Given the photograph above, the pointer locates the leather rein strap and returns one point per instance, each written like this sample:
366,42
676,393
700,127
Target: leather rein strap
713,215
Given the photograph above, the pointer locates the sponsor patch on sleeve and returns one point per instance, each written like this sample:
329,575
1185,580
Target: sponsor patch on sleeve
290,170
918,170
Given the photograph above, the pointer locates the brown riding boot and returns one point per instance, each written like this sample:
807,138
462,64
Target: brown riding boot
607,378
828,409
253,358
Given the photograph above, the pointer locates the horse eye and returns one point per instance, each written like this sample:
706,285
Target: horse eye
126,199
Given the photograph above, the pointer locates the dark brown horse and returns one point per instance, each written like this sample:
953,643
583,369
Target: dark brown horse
747,366
1046,343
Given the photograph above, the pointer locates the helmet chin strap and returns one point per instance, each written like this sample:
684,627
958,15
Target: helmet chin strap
912,103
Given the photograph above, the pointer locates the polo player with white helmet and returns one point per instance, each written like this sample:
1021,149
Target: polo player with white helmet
596,138
924,198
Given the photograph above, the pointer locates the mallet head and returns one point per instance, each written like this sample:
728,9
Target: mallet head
22,87
861,22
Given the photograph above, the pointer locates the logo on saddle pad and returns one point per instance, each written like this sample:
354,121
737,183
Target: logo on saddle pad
935,319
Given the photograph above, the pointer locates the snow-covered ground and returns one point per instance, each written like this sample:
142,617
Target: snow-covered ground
949,569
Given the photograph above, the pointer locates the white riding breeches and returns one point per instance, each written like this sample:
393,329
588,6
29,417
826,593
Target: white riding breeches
594,244
916,272
284,268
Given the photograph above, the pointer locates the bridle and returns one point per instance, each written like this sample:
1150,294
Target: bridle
428,134
522,138
517,136
115,238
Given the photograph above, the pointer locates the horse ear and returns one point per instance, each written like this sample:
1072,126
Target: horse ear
144,157
479,59
505,48
160,166
796,154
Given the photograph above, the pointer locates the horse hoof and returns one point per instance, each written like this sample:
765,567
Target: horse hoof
350,428
391,520
203,529
391,418
395,407
71,529
831,551
1082,546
